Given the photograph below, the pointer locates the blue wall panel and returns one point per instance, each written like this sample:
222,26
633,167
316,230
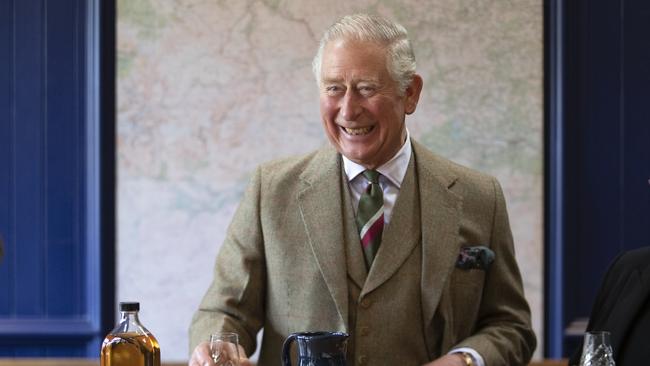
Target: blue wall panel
65,157
27,159
50,304
636,175
6,147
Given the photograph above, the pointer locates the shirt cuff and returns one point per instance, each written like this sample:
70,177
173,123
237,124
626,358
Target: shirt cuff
478,360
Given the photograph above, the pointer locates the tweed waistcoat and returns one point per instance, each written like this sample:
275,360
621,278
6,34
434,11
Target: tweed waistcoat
385,321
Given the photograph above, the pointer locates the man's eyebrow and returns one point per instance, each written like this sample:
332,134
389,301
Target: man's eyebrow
369,80
354,81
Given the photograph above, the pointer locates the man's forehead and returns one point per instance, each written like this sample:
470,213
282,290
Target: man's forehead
343,45
352,60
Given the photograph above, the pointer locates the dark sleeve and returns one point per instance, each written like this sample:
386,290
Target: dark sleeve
599,308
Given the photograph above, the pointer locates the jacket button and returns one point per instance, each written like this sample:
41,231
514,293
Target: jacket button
365,303
364,331
362,360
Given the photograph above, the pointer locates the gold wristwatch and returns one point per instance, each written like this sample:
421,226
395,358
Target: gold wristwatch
469,360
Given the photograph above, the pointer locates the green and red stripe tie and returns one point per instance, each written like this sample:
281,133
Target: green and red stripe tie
370,216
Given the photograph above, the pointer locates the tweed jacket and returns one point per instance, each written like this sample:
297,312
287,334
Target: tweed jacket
282,266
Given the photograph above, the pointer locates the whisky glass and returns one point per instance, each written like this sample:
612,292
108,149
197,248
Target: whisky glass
597,350
224,348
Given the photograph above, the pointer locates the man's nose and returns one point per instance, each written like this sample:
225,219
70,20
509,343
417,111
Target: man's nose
351,106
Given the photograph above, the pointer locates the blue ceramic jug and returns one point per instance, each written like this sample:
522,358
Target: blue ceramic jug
317,348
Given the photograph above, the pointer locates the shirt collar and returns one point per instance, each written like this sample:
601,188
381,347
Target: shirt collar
394,169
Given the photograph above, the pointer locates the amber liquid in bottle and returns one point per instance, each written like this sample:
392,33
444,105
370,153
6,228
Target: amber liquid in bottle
130,343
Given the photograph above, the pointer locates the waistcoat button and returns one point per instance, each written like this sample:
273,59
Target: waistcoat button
363,359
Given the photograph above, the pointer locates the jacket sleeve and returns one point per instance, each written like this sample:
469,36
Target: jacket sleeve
503,333
235,300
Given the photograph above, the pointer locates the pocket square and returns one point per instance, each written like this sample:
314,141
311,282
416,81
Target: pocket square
477,257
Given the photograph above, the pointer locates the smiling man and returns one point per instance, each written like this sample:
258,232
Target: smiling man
378,237
362,107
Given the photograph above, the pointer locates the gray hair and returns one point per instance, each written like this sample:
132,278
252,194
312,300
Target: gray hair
363,27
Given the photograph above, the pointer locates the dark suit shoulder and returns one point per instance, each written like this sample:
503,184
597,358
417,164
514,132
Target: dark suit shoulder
633,259
625,264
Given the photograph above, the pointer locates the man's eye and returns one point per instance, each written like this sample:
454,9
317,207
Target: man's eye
366,90
333,89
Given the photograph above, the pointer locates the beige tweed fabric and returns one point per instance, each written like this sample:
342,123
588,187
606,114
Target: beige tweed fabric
284,266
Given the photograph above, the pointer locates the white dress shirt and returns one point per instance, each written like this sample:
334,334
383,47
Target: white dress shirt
390,180
391,176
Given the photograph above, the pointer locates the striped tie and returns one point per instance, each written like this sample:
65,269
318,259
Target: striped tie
370,216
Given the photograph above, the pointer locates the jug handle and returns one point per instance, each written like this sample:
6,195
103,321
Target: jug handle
286,347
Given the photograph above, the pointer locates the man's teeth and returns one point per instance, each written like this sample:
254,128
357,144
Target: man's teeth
358,131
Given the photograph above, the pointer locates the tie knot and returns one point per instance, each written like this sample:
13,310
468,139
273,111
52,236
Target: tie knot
372,176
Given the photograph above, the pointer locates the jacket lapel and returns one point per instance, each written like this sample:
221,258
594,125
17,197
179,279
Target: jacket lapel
440,212
355,262
321,212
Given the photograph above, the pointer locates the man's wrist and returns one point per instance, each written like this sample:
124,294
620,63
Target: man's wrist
466,358
475,357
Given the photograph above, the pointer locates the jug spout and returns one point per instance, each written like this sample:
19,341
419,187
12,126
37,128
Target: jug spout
317,348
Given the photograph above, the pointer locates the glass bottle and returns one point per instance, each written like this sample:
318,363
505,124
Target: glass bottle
130,343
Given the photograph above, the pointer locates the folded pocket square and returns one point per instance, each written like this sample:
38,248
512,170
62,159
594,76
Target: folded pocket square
478,257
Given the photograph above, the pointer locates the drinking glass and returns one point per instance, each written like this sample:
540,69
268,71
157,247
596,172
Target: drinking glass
224,348
597,350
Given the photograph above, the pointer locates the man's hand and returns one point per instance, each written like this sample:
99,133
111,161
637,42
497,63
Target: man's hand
454,359
201,356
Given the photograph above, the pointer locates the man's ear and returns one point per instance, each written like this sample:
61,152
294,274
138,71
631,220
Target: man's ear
412,94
